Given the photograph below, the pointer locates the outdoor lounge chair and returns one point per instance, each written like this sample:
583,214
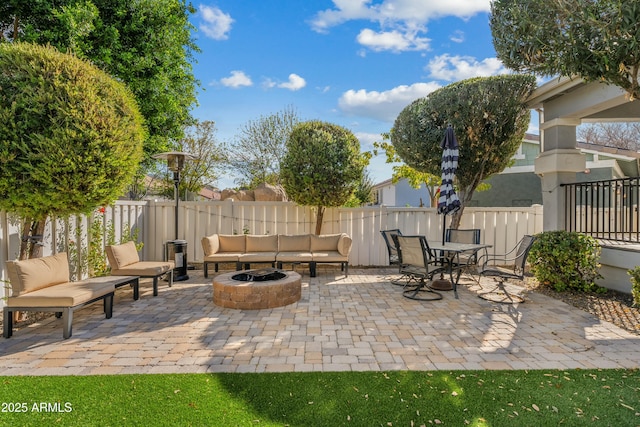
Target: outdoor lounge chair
124,261
419,264
392,250
492,265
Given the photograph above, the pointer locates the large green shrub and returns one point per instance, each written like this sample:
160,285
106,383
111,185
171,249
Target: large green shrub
566,260
70,135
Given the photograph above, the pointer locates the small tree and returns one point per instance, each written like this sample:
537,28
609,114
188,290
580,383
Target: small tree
257,152
70,135
200,141
489,117
322,166
596,40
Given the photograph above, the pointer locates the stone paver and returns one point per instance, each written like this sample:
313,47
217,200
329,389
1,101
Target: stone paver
359,323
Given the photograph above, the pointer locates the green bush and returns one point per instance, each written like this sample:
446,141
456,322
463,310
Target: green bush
566,260
70,135
635,285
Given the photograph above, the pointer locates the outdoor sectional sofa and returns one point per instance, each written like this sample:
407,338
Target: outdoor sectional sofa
42,284
277,249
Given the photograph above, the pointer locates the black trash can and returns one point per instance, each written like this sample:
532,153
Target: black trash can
176,250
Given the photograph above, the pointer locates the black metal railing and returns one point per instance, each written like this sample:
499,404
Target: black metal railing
606,210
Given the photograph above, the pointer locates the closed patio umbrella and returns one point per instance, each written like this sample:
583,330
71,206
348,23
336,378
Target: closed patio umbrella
448,203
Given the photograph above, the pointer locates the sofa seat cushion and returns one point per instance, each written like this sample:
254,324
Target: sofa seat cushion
258,257
144,269
67,294
294,257
223,257
293,243
329,256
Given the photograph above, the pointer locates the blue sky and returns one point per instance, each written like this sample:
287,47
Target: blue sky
355,63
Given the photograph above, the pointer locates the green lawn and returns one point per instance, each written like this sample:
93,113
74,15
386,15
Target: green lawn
455,398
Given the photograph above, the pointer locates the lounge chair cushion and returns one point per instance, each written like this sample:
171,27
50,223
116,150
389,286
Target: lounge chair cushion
37,273
122,255
144,268
70,294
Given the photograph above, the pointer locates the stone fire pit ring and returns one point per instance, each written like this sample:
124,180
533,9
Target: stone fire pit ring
253,293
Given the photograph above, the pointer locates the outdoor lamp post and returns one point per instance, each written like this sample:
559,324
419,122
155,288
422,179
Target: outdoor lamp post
176,249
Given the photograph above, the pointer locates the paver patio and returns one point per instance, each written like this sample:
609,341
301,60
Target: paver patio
357,323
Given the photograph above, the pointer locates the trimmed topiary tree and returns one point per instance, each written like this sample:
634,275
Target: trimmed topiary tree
566,260
70,135
489,117
322,167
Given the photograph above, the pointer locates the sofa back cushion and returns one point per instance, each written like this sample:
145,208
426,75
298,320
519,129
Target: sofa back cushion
210,244
122,255
294,243
262,243
325,242
32,274
232,243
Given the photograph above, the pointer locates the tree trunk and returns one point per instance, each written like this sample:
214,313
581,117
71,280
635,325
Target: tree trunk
319,216
31,242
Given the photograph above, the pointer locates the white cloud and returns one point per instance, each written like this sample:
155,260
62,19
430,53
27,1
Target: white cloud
455,68
383,105
217,24
236,80
457,36
395,40
295,83
367,139
390,11
400,20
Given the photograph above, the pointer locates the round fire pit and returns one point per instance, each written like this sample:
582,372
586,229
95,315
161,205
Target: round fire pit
257,289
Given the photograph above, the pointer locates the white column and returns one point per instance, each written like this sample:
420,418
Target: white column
557,164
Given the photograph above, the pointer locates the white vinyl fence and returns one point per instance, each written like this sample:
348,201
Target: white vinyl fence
154,223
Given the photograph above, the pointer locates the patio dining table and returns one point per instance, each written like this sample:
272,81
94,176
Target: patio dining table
451,254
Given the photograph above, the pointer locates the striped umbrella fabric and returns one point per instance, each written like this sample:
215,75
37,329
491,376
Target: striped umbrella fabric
448,202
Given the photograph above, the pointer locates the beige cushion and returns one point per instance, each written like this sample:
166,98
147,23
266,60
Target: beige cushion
223,257
258,257
261,243
144,269
64,295
294,256
329,256
231,243
32,274
344,245
122,255
294,243
326,242
210,244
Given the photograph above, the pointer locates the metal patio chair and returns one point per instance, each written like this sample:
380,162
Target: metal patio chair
419,264
467,262
492,265
392,250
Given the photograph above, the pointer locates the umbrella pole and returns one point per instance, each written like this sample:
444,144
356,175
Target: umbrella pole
442,284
